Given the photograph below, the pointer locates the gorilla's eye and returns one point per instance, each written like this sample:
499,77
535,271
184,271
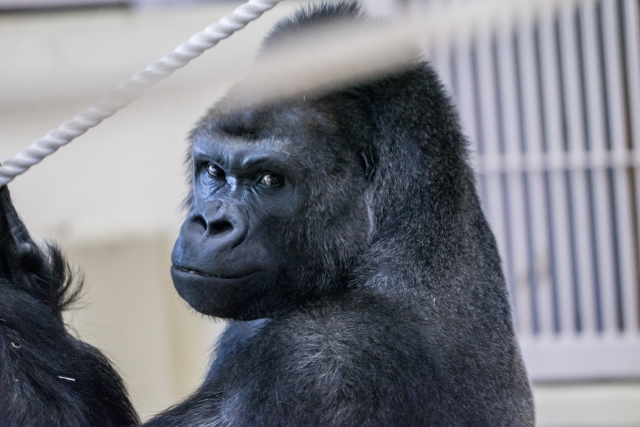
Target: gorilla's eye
270,179
215,171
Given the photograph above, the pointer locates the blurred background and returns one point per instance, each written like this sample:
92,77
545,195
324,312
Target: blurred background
551,107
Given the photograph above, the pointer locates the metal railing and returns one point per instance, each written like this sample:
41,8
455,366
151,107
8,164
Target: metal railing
552,111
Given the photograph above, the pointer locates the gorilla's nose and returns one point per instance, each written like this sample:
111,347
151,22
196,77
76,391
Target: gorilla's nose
223,226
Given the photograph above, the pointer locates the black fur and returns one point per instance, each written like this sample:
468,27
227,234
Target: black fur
48,378
363,288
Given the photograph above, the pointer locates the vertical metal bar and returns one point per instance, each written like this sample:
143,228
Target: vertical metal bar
632,52
559,225
599,157
617,134
514,166
582,263
534,184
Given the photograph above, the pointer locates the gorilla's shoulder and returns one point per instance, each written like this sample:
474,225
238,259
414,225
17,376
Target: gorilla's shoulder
354,336
338,361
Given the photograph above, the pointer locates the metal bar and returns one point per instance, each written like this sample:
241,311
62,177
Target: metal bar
534,181
623,248
559,224
582,271
632,53
602,260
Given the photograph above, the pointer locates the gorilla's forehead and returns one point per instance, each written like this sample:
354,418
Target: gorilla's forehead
288,120
222,146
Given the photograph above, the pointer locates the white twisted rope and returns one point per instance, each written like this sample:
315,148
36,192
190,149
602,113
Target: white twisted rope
131,89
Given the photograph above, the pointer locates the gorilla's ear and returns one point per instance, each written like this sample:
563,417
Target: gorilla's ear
22,264
368,162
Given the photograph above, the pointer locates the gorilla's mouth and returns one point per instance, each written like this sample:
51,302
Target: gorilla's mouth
190,270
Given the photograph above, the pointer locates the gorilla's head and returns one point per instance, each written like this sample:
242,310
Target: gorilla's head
287,196
278,210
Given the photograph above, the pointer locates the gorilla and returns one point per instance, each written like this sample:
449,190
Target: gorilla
341,235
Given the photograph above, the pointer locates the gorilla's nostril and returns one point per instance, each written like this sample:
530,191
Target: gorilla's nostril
220,227
199,220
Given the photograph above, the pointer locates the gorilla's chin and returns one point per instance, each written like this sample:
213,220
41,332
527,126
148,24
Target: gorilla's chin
218,296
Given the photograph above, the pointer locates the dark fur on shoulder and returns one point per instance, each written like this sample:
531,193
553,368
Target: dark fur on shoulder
48,378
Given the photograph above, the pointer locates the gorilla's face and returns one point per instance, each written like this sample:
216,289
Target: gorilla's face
276,213
231,247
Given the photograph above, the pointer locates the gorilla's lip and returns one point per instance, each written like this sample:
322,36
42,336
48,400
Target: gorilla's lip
195,272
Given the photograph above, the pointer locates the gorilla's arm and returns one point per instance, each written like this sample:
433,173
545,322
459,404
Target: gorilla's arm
48,378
